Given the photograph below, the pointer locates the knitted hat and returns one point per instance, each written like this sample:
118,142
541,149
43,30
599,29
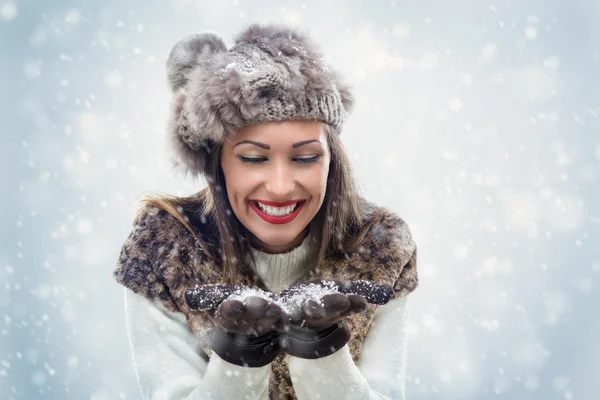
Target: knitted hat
272,73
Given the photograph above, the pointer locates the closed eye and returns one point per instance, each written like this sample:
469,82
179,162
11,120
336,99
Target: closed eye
308,160
258,160
252,160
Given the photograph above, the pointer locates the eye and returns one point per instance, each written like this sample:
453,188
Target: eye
258,160
308,160
252,160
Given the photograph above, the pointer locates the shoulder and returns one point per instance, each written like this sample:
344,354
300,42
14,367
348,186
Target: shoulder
159,256
175,226
389,245
386,228
162,227
170,239
152,216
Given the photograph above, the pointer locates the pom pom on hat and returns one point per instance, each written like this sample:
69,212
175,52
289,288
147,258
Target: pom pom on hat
188,53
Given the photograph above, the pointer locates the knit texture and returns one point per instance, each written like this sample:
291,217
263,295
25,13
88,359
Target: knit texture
271,73
281,270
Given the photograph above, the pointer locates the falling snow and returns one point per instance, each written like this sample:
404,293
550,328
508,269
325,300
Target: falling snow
477,125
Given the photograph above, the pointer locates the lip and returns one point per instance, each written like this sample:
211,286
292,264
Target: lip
275,204
277,220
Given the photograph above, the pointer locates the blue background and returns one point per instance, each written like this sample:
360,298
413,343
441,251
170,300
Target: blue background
475,121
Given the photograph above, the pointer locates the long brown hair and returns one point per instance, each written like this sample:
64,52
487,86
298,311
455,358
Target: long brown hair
339,225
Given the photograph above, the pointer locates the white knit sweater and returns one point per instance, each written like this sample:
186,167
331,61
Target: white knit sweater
168,364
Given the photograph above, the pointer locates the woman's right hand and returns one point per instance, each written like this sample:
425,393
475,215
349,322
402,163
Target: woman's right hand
238,309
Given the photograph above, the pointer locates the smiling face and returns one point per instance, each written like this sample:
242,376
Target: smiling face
276,177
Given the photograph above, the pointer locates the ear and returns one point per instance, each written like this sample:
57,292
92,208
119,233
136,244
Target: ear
188,53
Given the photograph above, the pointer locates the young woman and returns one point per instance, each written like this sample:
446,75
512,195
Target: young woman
277,280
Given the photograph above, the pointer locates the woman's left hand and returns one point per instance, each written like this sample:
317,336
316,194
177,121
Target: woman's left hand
320,304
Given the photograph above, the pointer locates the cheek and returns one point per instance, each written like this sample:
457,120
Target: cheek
236,186
241,184
318,181
233,181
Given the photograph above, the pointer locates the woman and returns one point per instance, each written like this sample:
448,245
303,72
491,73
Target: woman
271,281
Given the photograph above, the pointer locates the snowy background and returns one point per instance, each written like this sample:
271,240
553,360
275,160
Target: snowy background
476,121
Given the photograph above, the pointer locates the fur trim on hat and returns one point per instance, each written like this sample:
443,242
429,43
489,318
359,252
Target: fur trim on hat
272,73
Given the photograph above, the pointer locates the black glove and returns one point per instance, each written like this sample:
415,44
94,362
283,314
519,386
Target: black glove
247,322
316,309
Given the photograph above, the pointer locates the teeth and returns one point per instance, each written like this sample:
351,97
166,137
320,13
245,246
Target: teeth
276,211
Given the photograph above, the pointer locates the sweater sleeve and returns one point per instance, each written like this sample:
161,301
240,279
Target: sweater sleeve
168,362
381,372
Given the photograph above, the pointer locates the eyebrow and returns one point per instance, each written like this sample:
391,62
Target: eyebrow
267,147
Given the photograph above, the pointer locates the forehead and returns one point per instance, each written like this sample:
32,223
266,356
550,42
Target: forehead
281,132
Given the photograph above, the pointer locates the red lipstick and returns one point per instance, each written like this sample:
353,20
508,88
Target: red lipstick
275,204
277,220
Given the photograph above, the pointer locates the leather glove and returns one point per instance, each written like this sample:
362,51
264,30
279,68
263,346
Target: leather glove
321,303
248,321
316,309
237,308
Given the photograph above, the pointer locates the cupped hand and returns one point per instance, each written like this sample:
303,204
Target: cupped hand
319,304
237,308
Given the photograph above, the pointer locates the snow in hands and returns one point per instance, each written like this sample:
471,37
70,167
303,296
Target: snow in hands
296,296
374,293
315,290
210,296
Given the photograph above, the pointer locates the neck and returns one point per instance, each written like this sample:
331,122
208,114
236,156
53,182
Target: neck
277,249
280,270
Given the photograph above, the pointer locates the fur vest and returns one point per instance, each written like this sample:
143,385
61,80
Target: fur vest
160,259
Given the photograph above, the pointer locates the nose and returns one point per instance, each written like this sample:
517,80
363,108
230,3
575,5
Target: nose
280,182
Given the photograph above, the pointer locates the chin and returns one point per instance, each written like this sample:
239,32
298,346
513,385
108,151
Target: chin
278,239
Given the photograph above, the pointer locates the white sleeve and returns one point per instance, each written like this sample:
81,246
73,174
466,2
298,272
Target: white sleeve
381,371
168,362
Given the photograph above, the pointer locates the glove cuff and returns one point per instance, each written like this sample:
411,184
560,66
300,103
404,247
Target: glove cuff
246,350
310,344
